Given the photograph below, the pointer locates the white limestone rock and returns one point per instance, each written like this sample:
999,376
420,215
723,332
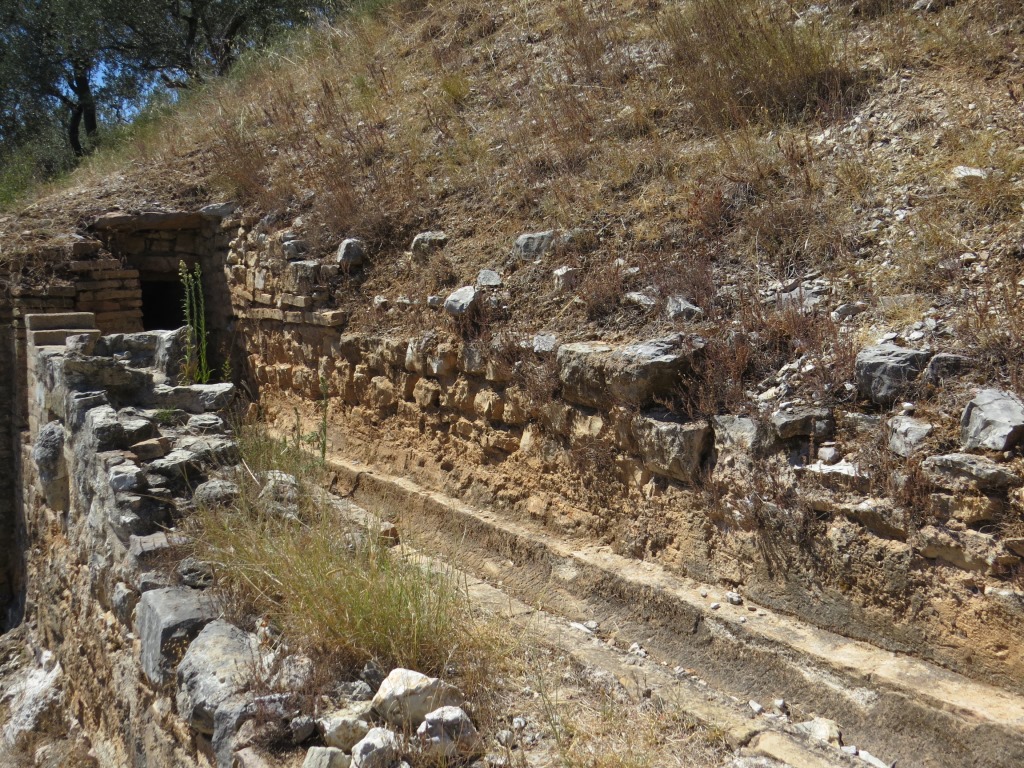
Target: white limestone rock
447,733
380,748
344,728
405,697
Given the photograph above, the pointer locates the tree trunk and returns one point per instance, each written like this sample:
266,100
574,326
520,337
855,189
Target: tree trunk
85,109
89,115
73,127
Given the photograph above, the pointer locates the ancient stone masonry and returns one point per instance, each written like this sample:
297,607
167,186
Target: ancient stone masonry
580,444
150,672
103,478
518,425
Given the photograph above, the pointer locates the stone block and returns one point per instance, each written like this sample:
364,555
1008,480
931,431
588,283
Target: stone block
166,622
674,449
220,663
57,320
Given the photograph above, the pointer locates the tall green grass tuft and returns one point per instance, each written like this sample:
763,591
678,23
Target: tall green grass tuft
331,589
755,61
196,365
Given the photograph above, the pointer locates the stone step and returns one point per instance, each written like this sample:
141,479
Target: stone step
57,337
641,679
897,706
58,320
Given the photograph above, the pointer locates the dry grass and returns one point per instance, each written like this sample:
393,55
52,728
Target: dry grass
991,326
585,723
714,146
754,61
331,589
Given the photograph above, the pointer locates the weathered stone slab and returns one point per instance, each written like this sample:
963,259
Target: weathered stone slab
194,398
166,621
804,422
993,420
601,376
957,470
675,449
907,434
885,371
221,662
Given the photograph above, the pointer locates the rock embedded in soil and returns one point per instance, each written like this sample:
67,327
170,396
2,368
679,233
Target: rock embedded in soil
405,697
821,729
638,299
488,278
426,243
447,733
350,253
460,302
532,245
885,371
680,308
849,310
567,278
993,420
907,434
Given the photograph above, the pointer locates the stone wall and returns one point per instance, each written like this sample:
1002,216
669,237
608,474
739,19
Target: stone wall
101,481
574,435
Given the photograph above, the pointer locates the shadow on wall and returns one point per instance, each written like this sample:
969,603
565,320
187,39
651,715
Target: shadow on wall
154,244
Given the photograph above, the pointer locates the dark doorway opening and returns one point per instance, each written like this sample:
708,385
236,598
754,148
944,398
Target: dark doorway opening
162,304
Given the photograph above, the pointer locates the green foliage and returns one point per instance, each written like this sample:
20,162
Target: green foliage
32,163
195,366
83,68
166,416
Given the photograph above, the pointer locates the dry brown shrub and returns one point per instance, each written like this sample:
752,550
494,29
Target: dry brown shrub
751,61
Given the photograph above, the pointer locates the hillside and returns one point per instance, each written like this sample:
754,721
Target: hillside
700,322
826,147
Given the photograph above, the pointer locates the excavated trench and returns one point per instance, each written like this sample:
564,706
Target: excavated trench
907,711
695,643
